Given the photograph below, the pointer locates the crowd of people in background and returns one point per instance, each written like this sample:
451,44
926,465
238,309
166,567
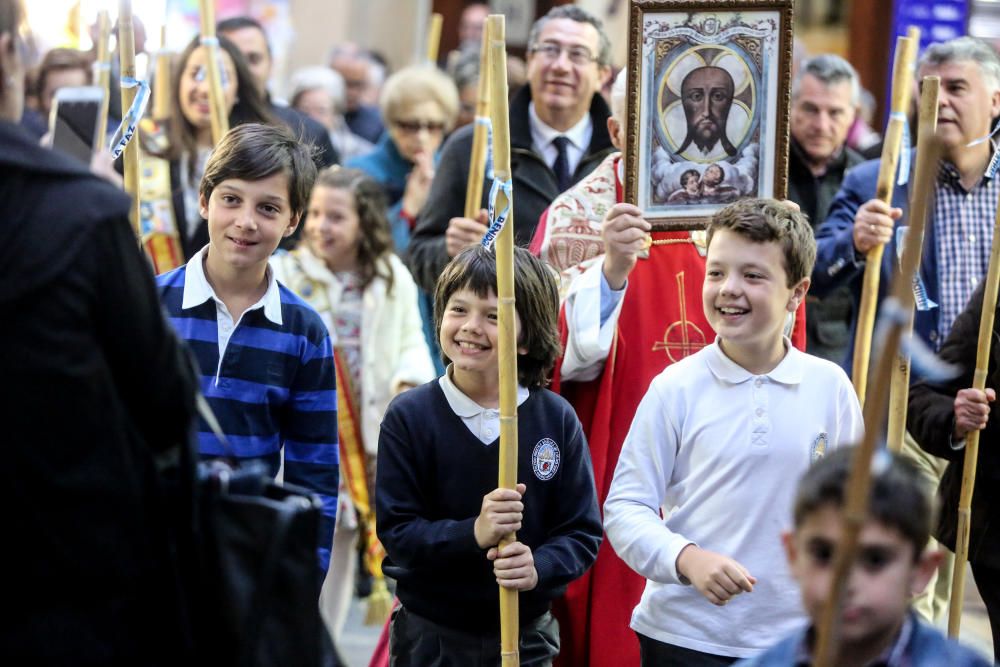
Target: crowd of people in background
375,269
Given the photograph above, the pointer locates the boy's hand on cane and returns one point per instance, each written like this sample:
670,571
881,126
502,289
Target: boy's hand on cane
463,232
717,577
514,566
500,515
972,410
624,233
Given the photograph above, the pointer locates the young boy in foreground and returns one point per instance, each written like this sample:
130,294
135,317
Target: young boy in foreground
893,564
717,442
438,511
264,354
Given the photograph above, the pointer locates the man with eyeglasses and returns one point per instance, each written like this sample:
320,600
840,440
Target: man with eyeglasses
558,135
249,37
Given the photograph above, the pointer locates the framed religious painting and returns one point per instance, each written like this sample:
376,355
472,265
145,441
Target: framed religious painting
709,91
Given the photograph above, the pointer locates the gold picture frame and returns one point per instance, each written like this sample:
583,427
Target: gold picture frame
709,88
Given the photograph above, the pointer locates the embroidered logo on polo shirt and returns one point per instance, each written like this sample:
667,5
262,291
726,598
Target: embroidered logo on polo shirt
545,459
818,447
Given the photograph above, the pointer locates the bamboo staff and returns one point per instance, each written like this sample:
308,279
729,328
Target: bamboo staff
901,302
899,388
902,83
972,439
509,625
103,79
126,56
480,132
219,114
434,37
161,94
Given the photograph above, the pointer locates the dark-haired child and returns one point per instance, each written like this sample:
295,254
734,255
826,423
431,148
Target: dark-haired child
717,442
877,626
439,513
265,355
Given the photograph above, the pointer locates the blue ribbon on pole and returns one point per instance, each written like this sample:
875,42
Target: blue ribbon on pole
497,219
488,124
126,130
921,301
904,149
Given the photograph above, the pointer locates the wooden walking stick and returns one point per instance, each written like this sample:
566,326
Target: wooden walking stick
899,388
902,83
509,623
161,94
103,76
126,55
480,132
219,115
895,311
972,439
434,37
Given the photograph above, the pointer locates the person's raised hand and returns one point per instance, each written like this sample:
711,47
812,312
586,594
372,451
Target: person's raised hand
719,578
463,232
624,232
972,410
514,566
418,183
873,224
499,515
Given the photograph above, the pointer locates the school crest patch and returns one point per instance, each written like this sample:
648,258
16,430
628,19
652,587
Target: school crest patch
818,447
545,459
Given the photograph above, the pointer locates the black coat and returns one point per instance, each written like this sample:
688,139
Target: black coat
930,420
94,387
534,184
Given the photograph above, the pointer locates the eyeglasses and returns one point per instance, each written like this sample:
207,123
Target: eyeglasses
578,55
414,126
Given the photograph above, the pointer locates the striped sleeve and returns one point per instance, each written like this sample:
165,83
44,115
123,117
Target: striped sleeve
312,458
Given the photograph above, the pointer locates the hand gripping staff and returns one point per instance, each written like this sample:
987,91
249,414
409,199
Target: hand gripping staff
902,83
895,317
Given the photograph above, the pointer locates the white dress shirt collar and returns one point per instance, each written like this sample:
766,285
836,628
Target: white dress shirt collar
197,289
788,371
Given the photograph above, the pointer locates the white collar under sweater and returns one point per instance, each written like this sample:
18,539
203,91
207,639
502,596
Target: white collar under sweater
484,423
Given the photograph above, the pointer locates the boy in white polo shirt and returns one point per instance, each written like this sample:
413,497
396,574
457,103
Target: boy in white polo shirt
718,443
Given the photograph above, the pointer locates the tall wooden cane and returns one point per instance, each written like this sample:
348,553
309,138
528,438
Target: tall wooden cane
161,95
434,37
218,113
126,56
972,439
480,132
509,623
899,388
902,83
103,78
896,308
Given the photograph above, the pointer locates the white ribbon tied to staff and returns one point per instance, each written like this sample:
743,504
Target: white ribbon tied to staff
126,130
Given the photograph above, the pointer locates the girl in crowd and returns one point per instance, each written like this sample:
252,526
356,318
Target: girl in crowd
345,268
419,105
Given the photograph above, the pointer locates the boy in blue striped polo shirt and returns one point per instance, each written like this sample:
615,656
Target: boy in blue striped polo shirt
265,355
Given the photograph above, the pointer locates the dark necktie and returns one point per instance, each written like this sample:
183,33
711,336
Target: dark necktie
561,165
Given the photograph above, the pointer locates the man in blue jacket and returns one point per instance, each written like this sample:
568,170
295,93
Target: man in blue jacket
960,226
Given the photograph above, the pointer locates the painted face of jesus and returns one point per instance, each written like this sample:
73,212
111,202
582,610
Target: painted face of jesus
707,95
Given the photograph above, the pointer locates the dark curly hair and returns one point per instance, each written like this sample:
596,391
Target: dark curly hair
536,299
370,205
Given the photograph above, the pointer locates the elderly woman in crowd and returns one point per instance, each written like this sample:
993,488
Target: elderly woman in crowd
318,92
419,106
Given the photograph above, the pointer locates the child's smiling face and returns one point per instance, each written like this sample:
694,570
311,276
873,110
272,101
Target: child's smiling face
247,219
469,335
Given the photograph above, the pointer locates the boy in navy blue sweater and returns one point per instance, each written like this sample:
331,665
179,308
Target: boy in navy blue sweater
265,355
439,513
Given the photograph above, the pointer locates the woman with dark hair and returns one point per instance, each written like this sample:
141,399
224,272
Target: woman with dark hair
186,141
94,394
